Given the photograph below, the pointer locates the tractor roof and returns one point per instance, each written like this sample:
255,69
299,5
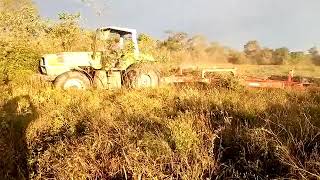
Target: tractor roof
119,30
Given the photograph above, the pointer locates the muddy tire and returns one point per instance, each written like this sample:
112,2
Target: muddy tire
141,76
72,80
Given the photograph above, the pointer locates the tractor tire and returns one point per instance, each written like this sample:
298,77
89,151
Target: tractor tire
72,80
141,76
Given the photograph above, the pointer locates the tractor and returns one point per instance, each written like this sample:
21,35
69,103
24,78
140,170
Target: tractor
108,66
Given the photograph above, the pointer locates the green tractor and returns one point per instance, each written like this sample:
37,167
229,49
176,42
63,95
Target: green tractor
111,66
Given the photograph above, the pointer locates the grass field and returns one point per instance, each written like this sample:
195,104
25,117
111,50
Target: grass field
165,133
305,70
268,70
265,70
172,132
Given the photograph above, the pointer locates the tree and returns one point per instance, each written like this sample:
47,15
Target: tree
147,44
20,31
19,19
252,51
67,30
236,57
252,48
264,57
176,41
313,51
315,55
296,57
281,56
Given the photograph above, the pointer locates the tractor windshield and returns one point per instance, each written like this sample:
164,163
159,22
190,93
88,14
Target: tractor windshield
106,41
114,39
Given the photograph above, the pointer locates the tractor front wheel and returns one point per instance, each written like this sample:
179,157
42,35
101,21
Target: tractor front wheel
72,80
141,76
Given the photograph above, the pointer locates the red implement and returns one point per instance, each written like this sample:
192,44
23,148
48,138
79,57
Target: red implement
270,83
204,76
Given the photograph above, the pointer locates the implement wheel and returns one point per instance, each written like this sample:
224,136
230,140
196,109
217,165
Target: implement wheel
141,76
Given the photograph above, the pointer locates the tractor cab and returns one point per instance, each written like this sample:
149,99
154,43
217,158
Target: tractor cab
115,48
107,32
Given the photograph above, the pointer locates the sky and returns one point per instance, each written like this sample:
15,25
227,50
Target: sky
274,23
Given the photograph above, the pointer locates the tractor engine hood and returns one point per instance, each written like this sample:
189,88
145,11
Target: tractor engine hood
56,64
69,59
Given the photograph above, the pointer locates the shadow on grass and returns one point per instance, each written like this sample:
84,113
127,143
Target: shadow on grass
15,117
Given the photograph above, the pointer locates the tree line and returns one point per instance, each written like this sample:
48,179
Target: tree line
253,53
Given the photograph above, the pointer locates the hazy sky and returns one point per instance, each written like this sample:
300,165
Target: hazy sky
275,23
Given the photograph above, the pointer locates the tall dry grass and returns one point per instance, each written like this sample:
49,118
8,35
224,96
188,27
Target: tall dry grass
165,133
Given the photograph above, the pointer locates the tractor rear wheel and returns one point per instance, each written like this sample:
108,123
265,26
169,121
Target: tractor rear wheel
72,80
141,76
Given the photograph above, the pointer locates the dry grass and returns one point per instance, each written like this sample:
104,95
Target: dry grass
165,133
268,70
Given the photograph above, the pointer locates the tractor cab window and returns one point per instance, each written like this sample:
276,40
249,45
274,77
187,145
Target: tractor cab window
115,46
112,42
108,42
112,47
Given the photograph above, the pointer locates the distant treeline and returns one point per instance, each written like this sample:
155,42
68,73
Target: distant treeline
254,54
